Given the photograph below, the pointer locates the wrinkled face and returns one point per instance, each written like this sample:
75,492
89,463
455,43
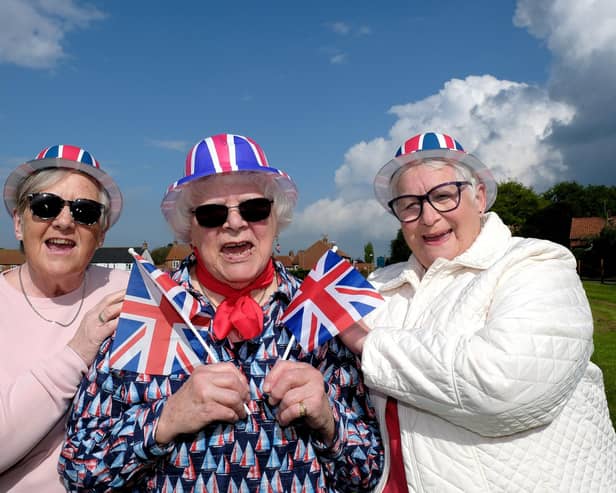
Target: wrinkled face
238,251
440,234
60,248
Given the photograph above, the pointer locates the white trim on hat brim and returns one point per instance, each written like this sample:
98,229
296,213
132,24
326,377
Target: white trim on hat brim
23,171
383,178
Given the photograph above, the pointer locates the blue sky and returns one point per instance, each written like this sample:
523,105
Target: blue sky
329,90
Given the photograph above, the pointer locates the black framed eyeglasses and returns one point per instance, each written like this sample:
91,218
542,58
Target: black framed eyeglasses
47,206
215,215
443,198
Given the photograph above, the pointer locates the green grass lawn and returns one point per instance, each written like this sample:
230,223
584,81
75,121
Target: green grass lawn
602,299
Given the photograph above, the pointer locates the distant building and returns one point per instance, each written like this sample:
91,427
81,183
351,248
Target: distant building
584,229
177,253
10,258
306,259
118,257
110,257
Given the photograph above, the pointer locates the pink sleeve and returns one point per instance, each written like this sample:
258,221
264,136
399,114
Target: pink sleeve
32,403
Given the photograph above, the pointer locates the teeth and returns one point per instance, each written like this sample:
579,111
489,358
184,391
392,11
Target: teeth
59,241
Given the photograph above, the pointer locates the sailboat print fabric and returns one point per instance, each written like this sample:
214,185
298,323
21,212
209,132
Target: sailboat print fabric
110,442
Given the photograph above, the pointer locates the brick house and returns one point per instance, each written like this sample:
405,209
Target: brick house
10,258
584,229
175,255
306,259
111,257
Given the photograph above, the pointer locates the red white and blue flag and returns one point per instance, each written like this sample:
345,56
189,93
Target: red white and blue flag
151,336
331,298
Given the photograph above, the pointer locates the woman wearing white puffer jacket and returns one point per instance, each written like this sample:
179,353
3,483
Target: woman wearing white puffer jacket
479,361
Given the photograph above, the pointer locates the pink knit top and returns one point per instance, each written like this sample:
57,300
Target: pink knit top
39,375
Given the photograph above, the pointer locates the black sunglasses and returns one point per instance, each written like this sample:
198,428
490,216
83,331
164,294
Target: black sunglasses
47,206
215,215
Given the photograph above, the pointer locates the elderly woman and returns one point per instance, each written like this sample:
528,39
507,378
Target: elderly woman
55,310
480,356
250,421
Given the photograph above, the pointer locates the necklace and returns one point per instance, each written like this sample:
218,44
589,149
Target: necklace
83,296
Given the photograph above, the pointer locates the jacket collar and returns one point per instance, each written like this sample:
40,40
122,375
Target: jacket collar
490,245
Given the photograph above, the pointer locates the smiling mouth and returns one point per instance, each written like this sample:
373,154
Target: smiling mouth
60,243
436,237
237,248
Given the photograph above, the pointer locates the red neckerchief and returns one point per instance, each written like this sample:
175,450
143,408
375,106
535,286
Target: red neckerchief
238,310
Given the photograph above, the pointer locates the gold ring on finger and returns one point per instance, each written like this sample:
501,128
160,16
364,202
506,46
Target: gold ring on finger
101,318
302,409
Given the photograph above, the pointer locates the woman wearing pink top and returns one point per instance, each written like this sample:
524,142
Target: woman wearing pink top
55,310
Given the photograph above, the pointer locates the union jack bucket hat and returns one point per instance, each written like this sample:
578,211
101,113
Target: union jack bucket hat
427,147
64,156
224,154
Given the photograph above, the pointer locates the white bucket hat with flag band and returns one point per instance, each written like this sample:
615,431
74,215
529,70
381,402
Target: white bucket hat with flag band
64,156
428,147
224,154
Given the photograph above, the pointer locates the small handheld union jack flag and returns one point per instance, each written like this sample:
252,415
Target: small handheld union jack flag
157,330
333,296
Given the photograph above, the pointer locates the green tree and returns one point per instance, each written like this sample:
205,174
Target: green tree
550,223
399,251
515,203
160,254
368,253
585,201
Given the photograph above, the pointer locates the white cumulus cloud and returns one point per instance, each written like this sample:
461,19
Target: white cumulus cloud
574,30
506,124
32,32
582,37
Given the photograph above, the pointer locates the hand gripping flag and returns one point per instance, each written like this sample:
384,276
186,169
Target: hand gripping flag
157,330
333,296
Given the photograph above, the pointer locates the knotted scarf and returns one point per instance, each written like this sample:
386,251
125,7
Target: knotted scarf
238,310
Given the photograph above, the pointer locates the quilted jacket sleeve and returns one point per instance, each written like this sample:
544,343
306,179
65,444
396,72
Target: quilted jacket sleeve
500,355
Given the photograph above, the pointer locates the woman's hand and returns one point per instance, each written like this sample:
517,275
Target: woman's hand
216,392
354,336
97,324
297,389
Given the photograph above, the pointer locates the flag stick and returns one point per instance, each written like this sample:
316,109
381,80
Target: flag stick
288,350
187,321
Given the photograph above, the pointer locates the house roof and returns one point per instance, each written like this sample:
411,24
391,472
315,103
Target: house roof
285,260
179,251
114,255
586,227
11,257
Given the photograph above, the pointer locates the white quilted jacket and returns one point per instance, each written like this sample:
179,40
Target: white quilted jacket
488,356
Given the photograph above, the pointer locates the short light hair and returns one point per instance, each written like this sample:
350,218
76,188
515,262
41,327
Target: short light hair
463,173
47,177
180,218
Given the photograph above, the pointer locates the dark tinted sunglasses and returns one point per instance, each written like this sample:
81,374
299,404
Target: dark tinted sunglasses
47,206
215,215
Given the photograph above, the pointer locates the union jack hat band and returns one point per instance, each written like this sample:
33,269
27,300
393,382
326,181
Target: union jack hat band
224,154
64,156
426,147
